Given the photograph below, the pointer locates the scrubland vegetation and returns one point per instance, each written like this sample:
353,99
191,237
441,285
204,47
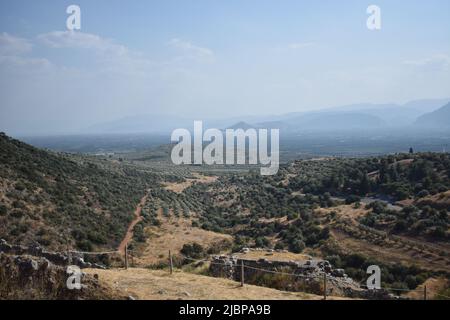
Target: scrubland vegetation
64,201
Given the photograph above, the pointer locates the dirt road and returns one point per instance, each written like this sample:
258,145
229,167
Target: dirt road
136,220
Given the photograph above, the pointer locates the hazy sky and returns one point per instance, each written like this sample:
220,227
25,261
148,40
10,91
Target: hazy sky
210,57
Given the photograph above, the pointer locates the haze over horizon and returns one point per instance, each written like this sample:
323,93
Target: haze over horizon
212,59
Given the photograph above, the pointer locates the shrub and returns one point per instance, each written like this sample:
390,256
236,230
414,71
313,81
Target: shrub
84,245
352,199
262,242
3,210
194,251
297,246
423,193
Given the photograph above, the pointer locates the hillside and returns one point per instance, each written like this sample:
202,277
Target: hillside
63,201
436,119
390,211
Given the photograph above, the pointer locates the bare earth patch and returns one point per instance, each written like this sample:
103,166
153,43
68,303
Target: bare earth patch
179,187
273,256
344,211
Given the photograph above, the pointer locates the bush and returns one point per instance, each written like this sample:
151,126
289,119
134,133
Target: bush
297,246
352,199
194,251
84,245
156,222
17,213
3,210
19,186
355,260
262,242
195,224
423,193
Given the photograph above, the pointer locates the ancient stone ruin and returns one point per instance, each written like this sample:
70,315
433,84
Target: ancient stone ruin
57,258
306,276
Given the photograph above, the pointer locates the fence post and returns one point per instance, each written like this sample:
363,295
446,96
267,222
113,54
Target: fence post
425,293
170,262
324,286
242,273
126,256
69,257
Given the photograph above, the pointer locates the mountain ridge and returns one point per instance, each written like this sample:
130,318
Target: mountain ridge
366,115
437,119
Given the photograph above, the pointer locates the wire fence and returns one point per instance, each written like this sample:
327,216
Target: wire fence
254,268
322,276
98,253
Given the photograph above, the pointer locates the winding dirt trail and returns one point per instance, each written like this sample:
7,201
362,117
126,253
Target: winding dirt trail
136,220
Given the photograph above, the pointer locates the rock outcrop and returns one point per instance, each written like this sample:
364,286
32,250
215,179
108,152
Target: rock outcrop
57,258
31,277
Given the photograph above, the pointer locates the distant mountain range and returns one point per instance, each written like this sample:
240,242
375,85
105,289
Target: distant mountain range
144,123
365,116
436,119
242,125
327,121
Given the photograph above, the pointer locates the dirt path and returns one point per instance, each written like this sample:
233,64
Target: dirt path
137,219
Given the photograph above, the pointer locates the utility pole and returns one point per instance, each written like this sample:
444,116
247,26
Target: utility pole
242,273
170,262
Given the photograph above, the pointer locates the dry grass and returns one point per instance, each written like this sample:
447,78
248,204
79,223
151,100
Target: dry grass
440,200
434,286
273,256
179,187
404,255
410,251
344,211
144,284
282,220
172,235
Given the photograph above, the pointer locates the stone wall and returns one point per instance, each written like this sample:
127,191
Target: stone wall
57,258
294,275
305,276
